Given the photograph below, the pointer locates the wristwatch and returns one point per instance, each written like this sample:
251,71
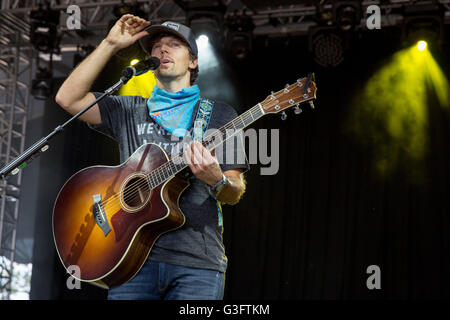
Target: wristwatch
218,187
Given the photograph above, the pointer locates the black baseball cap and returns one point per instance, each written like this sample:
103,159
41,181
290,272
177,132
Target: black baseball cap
174,28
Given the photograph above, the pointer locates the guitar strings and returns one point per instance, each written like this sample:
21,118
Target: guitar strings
131,192
159,169
112,202
134,188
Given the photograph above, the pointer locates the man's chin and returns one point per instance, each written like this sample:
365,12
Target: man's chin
167,75
164,75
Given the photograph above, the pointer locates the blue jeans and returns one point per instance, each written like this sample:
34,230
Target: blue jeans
163,281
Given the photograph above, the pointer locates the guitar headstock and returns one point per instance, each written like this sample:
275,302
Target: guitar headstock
292,95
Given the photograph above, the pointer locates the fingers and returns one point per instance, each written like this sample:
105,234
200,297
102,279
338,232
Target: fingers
132,23
193,158
194,155
129,18
138,23
197,155
202,164
125,17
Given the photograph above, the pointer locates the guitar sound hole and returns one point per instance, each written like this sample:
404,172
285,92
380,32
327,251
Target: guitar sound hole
136,192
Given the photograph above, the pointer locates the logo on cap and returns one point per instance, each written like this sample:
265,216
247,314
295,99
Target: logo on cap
172,25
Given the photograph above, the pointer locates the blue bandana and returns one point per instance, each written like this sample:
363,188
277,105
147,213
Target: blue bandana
173,110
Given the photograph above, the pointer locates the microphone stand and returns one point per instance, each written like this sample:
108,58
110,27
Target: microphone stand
42,145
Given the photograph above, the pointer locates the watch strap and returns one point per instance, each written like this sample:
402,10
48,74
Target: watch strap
213,189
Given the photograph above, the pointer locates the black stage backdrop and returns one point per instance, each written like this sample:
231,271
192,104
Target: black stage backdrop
312,230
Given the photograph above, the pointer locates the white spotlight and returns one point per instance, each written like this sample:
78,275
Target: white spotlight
202,41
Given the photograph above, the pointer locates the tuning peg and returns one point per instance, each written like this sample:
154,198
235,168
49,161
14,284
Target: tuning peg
283,115
297,110
271,95
311,104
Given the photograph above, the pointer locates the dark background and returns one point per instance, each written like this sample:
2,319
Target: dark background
311,230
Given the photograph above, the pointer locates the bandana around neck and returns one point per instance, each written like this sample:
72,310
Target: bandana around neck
173,110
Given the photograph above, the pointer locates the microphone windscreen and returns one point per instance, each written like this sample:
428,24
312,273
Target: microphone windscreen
154,62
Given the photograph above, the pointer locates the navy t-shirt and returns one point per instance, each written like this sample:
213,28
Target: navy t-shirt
199,242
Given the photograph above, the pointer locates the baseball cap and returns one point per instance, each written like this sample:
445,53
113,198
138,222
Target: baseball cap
174,28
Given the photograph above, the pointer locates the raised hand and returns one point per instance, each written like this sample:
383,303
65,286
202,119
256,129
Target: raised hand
126,31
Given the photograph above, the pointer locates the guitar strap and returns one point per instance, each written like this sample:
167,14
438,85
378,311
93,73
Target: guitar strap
201,124
201,121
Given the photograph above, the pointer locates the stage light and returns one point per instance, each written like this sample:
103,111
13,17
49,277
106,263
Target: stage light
423,21
347,14
206,19
44,30
239,46
202,41
391,113
134,8
41,87
346,18
206,54
421,45
133,62
239,38
324,16
327,46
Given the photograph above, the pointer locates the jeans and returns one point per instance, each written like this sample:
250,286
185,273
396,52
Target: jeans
163,281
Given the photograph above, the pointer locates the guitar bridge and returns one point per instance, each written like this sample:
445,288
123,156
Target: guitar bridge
100,215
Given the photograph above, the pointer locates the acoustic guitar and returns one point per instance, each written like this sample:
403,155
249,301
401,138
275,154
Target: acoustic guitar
107,218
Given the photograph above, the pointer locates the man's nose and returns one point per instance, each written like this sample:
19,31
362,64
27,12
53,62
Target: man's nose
164,48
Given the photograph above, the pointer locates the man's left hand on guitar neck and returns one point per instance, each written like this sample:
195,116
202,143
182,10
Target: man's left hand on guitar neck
204,166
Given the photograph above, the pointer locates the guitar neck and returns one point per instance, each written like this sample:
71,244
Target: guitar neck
302,90
210,142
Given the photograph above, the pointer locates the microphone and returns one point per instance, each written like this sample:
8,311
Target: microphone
141,67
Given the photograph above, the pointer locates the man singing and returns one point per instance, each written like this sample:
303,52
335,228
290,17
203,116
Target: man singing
189,263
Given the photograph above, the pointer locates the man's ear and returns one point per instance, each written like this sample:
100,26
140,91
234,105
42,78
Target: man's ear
193,63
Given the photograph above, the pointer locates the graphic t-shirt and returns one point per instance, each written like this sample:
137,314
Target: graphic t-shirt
199,242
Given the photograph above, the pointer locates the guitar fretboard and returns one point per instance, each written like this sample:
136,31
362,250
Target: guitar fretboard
210,142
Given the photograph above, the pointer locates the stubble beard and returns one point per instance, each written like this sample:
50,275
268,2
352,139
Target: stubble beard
168,75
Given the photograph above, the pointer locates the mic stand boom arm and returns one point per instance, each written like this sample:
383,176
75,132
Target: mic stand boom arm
42,145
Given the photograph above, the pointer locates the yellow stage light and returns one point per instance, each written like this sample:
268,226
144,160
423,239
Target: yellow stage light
421,45
390,114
